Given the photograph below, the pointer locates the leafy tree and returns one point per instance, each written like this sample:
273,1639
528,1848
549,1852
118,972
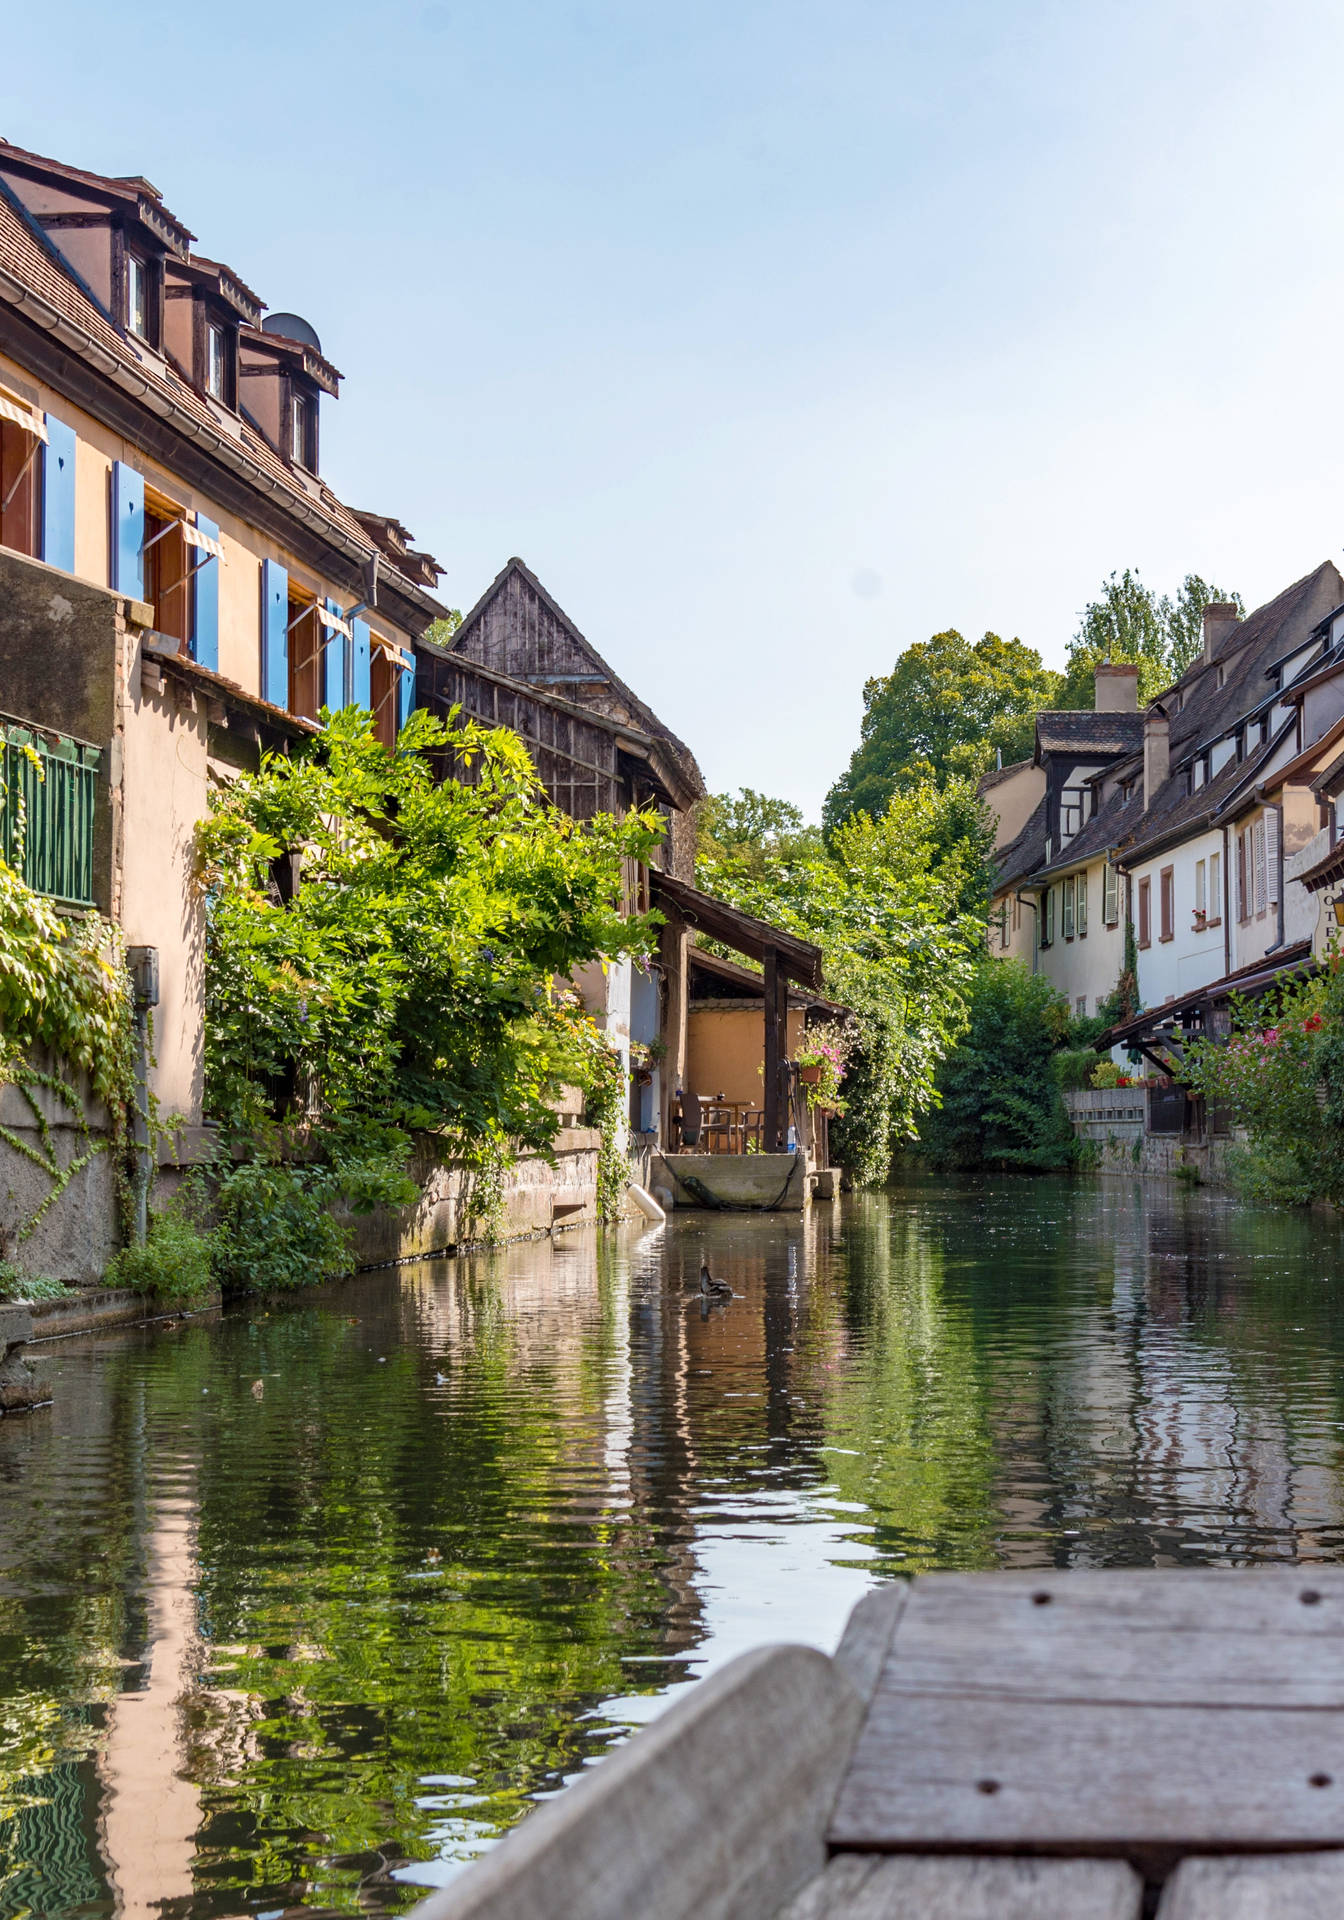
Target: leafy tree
896,907
945,708
999,1100
753,831
409,982
1130,622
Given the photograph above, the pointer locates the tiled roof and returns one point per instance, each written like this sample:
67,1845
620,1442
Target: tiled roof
1107,828
27,267
992,779
1074,729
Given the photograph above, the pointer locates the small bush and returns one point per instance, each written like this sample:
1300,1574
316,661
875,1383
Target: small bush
1107,1074
1072,1067
175,1265
274,1231
17,1285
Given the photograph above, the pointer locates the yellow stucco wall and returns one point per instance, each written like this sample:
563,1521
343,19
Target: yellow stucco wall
726,1050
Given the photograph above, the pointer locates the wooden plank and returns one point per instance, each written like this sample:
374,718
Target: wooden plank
858,1886
1243,1639
1293,1887
1138,1713
770,1129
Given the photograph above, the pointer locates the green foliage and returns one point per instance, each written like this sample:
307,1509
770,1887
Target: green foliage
896,906
1130,622
409,983
17,1285
826,1048
1282,1075
174,1266
752,832
606,1091
1000,1103
1073,1067
945,708
275,1231
64,992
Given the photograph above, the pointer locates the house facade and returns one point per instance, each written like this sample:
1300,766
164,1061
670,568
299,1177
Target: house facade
1208,833
179,587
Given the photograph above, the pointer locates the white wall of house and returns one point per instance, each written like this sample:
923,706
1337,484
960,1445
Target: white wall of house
1254,863
1012,927
1195,953
1084,966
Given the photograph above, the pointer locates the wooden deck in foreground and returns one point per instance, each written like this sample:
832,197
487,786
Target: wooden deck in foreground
1055,1746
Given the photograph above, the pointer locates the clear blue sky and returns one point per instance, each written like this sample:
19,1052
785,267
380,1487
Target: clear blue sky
774,337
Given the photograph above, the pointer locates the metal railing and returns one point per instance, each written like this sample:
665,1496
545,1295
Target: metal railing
49,781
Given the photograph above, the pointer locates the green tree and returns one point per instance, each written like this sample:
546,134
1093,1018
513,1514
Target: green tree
896,906
753,831
1129,621
999,1102
409,982
947,707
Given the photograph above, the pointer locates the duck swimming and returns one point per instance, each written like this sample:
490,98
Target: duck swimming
710,1288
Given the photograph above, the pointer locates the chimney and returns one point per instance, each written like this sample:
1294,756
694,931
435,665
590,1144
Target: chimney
1156,751
1116,688
1220,616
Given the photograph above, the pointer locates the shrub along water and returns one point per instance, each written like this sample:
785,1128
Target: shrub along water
408,983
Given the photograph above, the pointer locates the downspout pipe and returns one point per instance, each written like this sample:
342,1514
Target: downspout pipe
143,966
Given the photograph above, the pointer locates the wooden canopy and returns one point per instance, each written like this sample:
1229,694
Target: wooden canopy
796,959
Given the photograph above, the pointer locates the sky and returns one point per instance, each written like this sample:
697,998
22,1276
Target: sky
774,338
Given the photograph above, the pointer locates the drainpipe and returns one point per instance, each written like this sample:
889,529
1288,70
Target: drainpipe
143,965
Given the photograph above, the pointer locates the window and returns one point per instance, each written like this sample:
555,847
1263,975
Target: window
1002,918
1215,889
1201,895
384,676
302,437
1243,869
216,361
1048,917
1167,885
305,655
1080,1006
1017,913
1110,895
1066,908
137,295
1080,909
21,435
1145,917
168,568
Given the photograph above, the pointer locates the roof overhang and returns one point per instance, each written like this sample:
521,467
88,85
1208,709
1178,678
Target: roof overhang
797,959
744,987
1158,1024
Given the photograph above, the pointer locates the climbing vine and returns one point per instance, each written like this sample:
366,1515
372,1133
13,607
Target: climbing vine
65,1010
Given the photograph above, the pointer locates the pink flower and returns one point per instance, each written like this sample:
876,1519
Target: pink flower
1312,1024
1270,1037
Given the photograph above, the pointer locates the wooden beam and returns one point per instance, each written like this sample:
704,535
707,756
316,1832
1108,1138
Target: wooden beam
776,1006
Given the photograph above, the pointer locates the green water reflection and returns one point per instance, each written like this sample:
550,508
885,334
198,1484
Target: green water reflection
301,1610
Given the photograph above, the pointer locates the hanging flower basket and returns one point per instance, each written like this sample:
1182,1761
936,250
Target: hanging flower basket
810,1076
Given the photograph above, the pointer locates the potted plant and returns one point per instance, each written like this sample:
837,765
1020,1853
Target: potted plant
820,1061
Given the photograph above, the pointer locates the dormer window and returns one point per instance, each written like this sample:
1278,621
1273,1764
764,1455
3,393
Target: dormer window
217,362
137,295
302,431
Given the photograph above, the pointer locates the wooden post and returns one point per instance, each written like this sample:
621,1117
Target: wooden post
776,1042
672,945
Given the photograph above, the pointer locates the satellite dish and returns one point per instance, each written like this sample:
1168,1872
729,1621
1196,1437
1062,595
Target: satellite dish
289,326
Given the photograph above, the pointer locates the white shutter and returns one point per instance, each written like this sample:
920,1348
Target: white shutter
1272,853
1258,850
1082,906
1110,895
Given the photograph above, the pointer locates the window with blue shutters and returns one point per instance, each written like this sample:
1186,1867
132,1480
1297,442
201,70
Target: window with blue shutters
336,662
406,691
22,440
128,531
274,633
58,496
361,692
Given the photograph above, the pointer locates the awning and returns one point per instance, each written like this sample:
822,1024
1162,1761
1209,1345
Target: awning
391,651
195,538
1251,979
798,959
333,621
23,416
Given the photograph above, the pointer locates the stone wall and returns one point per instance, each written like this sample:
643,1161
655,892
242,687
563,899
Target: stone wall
1116,1120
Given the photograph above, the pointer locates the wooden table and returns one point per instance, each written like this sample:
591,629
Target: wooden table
732,1126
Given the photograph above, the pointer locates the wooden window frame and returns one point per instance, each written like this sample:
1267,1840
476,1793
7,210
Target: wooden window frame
1145,913
300,404
1215,907
168,566
21,456
306,635
1067,894
384,682
1166,904
1260,869
1080,907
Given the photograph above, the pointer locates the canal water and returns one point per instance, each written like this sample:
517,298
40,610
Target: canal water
301,1609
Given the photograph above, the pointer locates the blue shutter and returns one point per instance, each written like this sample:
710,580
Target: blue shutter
205,600
274,638
406,692
361,679
335,667
128,531
58,496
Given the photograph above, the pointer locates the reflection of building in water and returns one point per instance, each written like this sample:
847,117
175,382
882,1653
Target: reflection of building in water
1160,1433
150,1811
